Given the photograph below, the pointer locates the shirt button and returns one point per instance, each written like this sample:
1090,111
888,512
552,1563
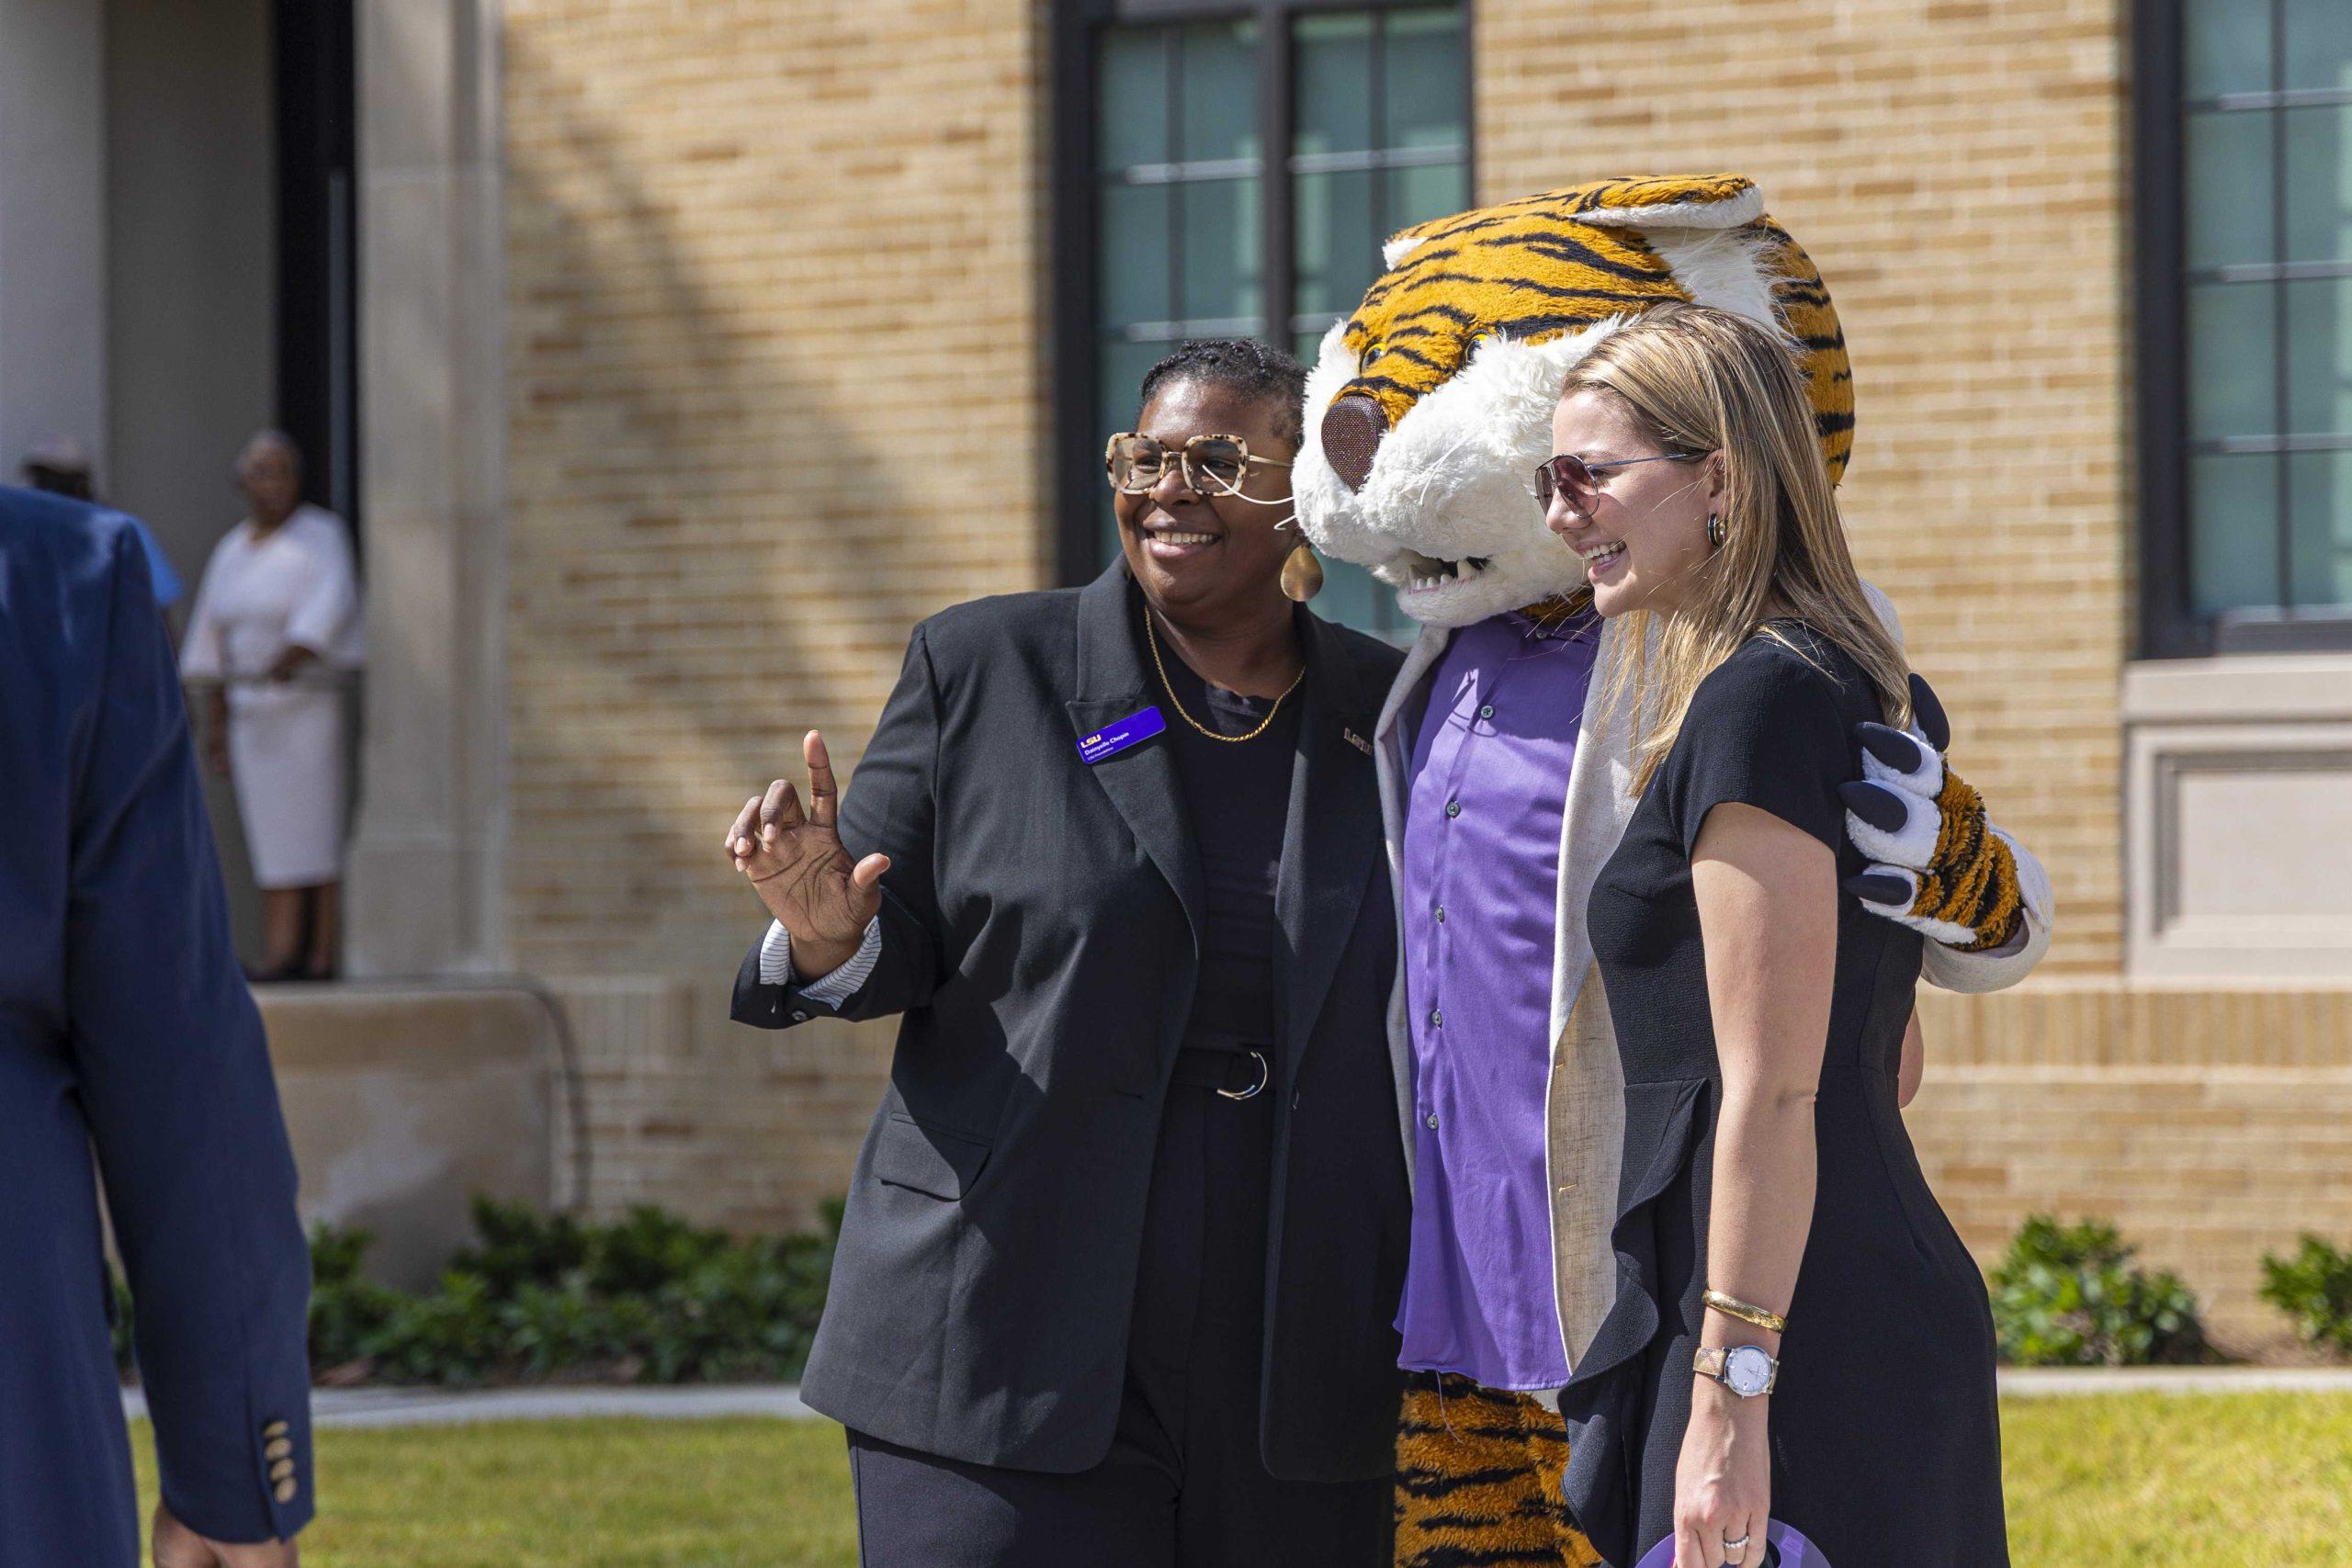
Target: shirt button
1437,1017
1454,809
1432,1120
1487,711
1440,914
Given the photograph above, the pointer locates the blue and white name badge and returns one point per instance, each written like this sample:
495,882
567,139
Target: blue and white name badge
1119,735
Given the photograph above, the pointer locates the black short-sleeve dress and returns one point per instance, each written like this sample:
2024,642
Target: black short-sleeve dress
1885,1436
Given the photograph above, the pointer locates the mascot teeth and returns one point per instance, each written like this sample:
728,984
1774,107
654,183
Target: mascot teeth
1418,573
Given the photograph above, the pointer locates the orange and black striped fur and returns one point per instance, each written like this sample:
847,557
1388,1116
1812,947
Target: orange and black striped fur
1544,265
1478,1480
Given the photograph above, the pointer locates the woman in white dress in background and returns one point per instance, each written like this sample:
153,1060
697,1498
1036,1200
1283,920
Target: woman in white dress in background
273,635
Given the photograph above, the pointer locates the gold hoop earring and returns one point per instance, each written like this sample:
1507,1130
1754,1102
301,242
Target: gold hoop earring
1301,574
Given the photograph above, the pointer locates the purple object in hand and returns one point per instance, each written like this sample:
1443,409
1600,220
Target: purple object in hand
1784,1547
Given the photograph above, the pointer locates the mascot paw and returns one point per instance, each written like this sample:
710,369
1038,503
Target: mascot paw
1938,865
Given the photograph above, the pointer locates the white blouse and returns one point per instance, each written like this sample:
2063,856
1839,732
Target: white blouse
296,587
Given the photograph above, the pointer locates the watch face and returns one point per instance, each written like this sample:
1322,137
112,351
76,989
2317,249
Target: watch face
1748,1371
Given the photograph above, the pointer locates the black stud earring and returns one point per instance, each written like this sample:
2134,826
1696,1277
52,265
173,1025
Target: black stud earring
1714,530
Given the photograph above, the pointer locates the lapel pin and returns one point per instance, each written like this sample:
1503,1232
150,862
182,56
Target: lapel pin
1358,742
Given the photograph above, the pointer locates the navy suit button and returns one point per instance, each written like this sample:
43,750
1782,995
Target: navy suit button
280,1448
275,1430
286,1490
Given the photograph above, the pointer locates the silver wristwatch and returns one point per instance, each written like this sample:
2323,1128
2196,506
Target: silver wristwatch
1746,1370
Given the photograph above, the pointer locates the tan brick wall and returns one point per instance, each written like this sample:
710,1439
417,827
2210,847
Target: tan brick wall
1956,170
2211,1126
774,396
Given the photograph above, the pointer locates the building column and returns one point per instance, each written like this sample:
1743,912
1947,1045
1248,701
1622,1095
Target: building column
426,875
53,225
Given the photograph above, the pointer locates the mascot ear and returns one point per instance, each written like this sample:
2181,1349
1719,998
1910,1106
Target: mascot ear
1675,201
1723,251
1402,243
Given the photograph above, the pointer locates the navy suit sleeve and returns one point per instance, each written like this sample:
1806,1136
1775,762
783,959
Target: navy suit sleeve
175,1078
890,806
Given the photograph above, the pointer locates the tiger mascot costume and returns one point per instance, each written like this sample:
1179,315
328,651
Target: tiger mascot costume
1426,413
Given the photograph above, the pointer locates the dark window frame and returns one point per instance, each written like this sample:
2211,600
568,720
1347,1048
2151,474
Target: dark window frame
2169,627
1074,445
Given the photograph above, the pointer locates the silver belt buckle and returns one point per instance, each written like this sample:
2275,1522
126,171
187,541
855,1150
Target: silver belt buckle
1255,1089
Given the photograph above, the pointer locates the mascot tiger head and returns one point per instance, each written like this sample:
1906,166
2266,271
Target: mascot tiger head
1429,408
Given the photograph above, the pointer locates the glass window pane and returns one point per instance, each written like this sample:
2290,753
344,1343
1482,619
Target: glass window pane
2319,174
2226,45
1122,367
2318,523
1353,597
2233,359
1419,194
2319,43
1424,81
2229,187
1131,97
1331,91
1220,246
2319,356
1132,250
1218,116
2234,532
1335,255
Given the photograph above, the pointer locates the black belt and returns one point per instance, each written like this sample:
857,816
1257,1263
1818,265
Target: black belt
1239,1072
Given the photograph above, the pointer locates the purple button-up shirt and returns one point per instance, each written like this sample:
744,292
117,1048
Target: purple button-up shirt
1486,788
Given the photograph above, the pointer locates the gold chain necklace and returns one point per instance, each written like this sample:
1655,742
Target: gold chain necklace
1152,636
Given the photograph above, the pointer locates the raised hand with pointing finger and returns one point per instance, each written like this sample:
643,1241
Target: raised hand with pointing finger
794,862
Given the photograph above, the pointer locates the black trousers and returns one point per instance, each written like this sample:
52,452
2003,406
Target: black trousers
1183,1485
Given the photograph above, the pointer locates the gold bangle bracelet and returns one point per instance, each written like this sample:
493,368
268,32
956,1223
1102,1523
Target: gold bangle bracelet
1733,1306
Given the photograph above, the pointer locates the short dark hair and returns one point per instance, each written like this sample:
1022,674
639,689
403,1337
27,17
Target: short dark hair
1244,367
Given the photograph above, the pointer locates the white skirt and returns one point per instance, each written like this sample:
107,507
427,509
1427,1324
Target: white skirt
286,759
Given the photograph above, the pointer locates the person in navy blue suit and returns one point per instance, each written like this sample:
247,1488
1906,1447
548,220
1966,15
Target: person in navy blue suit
130,1050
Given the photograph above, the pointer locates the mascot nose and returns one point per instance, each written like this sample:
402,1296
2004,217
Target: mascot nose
1353,427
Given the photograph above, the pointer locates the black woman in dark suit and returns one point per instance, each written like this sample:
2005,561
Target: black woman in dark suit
1123,1249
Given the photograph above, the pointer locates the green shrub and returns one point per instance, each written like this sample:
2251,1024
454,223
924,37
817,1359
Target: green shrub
2315,1288
2068,1296
347,1311
126,1360
648,1299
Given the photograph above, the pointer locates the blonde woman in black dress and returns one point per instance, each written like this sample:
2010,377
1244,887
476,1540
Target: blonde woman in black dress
1799,1334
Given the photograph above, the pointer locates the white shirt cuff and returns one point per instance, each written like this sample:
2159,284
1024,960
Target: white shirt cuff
775,965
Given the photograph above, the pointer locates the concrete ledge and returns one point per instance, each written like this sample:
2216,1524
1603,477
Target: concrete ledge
359,1407
362,1407
2034,1383
403,1100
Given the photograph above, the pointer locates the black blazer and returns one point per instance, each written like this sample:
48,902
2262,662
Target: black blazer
1038,931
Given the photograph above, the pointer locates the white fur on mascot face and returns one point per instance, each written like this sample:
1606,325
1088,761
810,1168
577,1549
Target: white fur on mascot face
1448,517
1467,341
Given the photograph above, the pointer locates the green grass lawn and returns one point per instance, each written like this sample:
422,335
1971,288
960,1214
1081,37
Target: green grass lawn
2093,1482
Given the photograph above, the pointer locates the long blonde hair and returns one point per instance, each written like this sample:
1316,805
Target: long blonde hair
1698,380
